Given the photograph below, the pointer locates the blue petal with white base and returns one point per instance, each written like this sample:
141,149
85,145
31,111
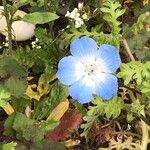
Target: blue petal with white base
89,70
82,46
68,73
108,87
110,56
81,92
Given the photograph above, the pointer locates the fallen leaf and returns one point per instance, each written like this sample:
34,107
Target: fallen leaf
70,121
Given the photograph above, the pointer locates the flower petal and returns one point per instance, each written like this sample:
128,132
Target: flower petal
81,92
83,46
107,87
109,55
69,70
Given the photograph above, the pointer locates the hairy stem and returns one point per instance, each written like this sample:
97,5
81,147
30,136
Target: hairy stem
127,48
8,21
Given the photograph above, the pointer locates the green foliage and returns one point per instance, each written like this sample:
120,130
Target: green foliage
57,94
16,87
111,108
13,76
38,66
145,88
40,17
138,9
8,66
51,5
143,19
112,11
24,56
95,3
28,129
138,35
44,37
8,126
20,104
19,3
38,58
96,33
4,95
9,146
135,71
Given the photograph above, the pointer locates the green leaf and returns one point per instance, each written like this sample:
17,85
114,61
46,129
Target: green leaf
145,88
135,71
4,95
111,108
9,146
19,3
21,123
10,67
58,93
8,126
40,17
15,86
112,11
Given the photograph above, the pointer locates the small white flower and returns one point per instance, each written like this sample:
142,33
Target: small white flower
84,16
74,14
6,38
39,47
33,43
78,22
67,14
6,44
80,6
36,39
33,46
68,26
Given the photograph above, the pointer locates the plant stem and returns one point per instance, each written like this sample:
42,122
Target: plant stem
127,48
145,134
45,5
8,21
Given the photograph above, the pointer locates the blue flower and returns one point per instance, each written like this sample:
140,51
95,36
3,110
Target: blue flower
89,70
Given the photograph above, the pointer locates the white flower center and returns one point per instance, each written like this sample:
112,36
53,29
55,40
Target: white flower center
91,69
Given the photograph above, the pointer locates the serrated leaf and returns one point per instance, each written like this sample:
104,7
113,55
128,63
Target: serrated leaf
40,17
21,123
135,71
111,108
15,86
10,67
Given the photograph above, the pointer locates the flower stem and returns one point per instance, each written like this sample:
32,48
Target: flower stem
127,48
145,134
8,21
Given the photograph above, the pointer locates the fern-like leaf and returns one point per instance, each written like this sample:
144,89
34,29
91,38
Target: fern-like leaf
135,71
112,11
110,109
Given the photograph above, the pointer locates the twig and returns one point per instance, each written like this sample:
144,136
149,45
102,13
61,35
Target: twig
8,21
127,48
145,133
